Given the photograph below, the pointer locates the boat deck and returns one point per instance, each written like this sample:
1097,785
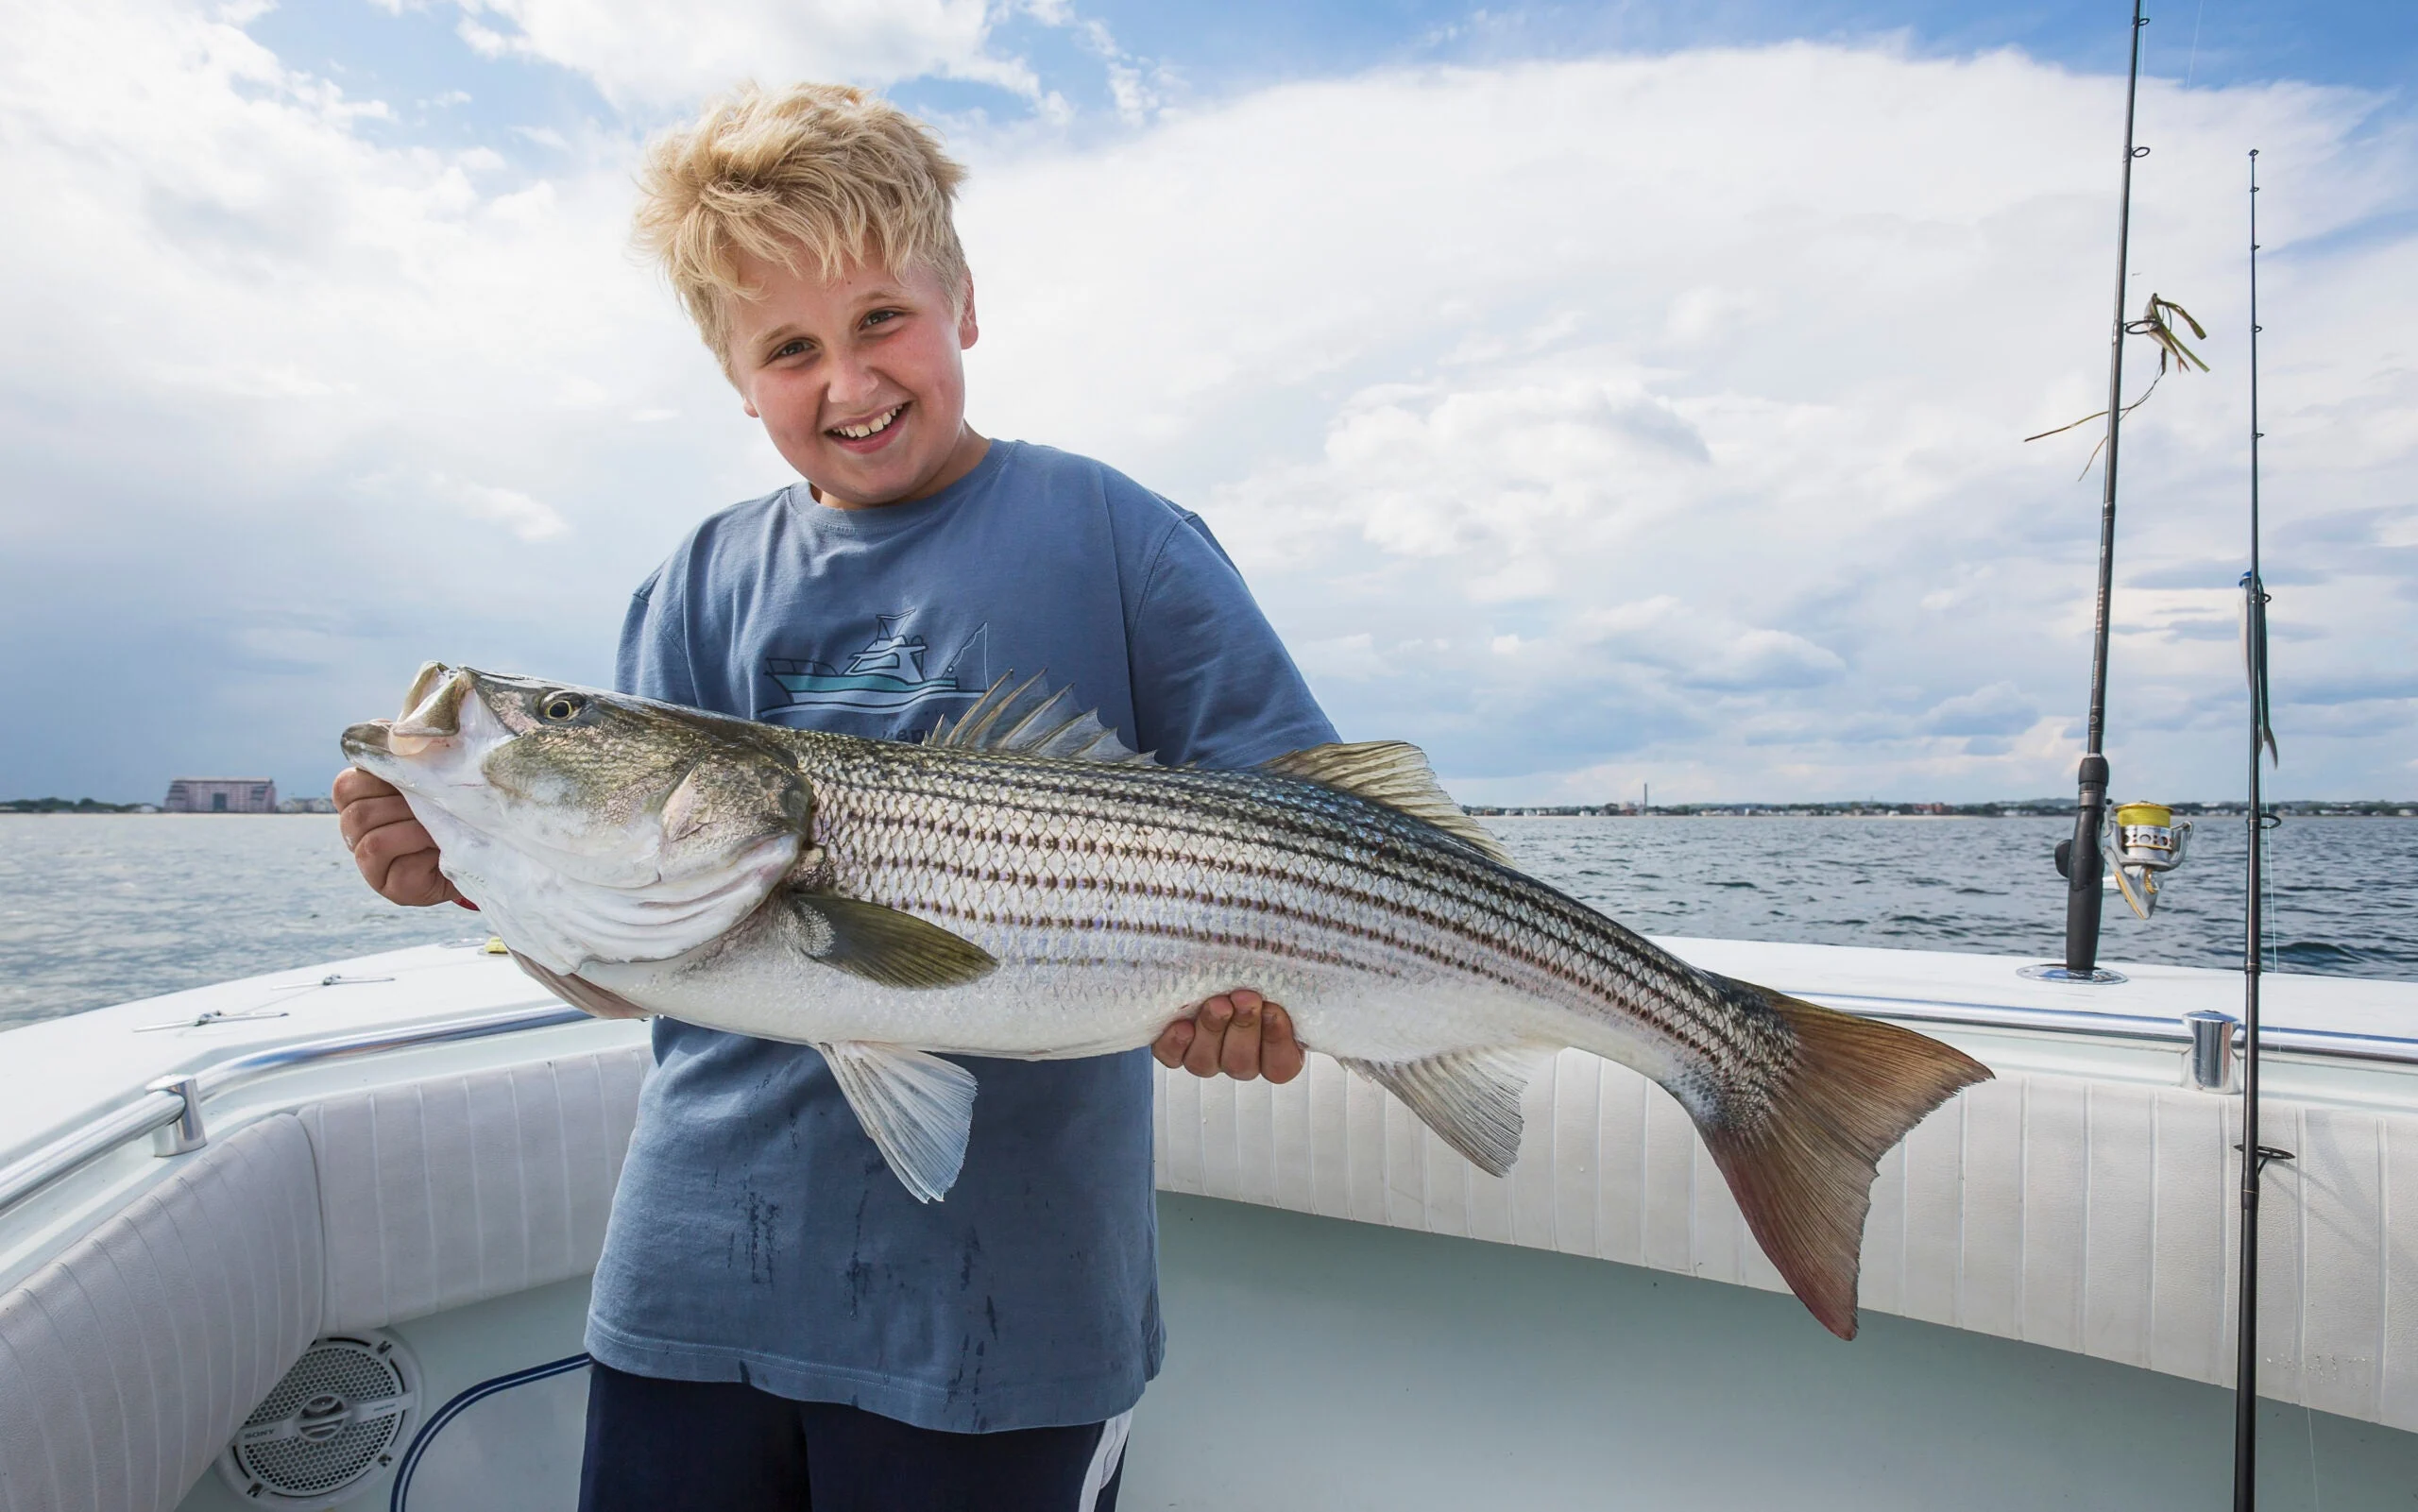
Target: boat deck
2034,1248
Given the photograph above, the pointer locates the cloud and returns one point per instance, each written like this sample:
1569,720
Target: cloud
529,519
659,52
1589,421
1999,709
1673,405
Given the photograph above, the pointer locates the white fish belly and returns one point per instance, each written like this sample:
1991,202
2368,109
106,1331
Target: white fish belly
1062,995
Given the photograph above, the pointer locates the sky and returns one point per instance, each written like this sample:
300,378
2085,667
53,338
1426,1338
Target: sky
1594,395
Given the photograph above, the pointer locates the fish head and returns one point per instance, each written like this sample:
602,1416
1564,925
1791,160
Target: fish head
594,826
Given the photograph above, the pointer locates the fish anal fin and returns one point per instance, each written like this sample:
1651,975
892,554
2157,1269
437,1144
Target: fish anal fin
882,944
1394,774
580,993
917,1108
1470,1098
1032,718
1801,1165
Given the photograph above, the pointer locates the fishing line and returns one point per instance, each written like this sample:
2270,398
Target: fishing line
2316,1501
2194,59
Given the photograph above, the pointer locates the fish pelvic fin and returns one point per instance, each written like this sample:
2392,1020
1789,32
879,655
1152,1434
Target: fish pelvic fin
917,1108
1801,1164
579,991
1470,1098
1394,774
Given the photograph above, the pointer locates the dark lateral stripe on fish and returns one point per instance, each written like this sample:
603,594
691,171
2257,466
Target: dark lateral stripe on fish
1225,937
1700,1033
1229,811
1280,828
1528,908
1520,910
1348,924
1409,909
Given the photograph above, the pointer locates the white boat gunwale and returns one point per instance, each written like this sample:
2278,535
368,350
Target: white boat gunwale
169,1100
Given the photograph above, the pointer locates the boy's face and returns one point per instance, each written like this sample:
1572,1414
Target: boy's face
859,380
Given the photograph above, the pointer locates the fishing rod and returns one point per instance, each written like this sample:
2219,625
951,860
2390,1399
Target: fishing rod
2262,740
2083,864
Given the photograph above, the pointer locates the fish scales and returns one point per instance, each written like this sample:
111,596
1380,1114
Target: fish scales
914,830
1355,912
1021,884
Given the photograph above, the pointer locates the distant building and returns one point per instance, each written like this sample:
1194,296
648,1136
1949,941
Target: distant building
307,806
221,795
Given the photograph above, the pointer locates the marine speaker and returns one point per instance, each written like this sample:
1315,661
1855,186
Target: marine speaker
339,1417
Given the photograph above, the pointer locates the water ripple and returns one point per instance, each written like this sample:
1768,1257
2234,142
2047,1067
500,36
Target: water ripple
100,909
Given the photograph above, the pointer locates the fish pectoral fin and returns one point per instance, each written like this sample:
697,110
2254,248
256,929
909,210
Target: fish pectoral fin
582,994
915,1107
1394,774
881,944
1470,1098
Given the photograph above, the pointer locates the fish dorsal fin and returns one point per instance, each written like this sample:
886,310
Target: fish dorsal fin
1032,719
1395,773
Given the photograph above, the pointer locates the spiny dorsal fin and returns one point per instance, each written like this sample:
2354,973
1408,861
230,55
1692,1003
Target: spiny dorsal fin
1032,720
1395,773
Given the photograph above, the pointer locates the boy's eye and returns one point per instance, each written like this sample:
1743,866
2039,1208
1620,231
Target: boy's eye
882,317
789,349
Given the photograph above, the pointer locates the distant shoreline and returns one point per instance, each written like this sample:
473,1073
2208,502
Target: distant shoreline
2307,808
288,809
2034,808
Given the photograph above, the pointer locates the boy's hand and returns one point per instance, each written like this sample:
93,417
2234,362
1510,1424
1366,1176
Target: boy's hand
1238,1033
395,856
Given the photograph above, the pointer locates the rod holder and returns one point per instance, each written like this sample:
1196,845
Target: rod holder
184,1134
2210,1058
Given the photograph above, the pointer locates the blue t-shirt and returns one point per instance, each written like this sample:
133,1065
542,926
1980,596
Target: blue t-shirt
756,1234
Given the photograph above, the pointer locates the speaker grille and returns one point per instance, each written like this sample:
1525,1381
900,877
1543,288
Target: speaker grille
335,1420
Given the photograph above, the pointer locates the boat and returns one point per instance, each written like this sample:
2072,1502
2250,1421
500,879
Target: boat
886,673
323,1237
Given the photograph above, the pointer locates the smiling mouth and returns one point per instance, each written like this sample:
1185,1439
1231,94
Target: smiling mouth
871,428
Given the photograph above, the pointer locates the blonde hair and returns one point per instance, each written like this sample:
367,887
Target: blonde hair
815,175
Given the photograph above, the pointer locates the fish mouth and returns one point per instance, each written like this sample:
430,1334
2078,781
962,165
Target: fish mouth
367,742
432,709
431,712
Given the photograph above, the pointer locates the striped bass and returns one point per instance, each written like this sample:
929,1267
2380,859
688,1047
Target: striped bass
1020,884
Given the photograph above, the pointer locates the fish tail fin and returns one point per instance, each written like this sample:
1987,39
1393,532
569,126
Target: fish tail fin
1801,1162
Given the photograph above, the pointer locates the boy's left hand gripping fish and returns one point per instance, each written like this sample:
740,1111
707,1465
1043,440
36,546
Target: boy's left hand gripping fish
1023,885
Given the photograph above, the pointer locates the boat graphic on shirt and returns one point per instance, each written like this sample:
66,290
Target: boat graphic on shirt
891,670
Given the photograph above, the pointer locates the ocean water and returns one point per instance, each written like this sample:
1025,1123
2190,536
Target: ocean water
101,908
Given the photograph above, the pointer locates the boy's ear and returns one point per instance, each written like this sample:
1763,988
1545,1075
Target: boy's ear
969,331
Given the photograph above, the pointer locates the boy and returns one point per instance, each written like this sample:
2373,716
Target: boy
775,1321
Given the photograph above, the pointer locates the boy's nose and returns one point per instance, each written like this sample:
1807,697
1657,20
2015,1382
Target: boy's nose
850,382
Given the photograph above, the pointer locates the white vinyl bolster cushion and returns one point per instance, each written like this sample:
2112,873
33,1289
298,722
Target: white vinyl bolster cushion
463,1187
128,1363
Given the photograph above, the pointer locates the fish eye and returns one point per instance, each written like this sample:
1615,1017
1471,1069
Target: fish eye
561,708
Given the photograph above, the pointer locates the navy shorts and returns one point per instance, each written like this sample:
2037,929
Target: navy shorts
716,1446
